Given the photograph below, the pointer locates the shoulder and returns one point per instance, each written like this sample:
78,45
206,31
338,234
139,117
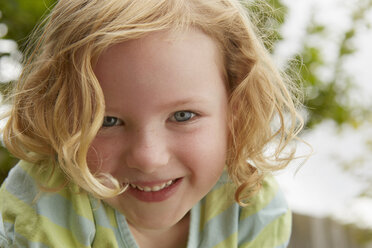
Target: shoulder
266,221
218,221
32,217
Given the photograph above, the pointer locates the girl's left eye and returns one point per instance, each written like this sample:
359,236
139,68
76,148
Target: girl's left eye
181,116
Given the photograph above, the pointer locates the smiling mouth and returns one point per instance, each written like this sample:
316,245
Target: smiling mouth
153,188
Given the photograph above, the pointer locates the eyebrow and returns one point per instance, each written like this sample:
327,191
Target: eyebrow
193,100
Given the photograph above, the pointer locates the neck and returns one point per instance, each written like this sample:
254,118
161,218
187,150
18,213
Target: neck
172,237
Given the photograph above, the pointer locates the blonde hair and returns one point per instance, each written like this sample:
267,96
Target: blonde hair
58,105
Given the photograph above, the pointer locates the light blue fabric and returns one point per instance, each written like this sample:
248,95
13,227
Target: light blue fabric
58,214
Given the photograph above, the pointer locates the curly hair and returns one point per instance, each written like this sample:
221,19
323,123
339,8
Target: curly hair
58,105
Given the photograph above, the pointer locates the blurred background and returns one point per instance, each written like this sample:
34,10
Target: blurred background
327,45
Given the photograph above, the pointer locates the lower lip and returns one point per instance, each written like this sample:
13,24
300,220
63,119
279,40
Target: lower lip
156,196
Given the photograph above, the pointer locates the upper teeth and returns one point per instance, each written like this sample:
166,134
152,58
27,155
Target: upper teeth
154,188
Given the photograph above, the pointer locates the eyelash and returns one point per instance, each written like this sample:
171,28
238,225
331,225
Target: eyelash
117,122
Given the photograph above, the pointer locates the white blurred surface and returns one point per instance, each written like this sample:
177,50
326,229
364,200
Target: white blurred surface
322,187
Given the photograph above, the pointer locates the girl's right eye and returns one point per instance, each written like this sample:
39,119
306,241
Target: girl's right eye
110,121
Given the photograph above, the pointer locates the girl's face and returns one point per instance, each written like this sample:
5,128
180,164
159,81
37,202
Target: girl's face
165,130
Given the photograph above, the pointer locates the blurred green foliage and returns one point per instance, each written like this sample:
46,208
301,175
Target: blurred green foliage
21,16
328,98
6,163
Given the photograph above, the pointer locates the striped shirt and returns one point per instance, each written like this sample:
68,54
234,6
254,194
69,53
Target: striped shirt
71,218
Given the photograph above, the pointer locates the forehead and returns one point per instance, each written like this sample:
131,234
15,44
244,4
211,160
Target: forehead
161,67
153,43
163,51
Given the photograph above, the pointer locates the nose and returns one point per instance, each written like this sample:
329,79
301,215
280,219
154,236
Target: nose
148,151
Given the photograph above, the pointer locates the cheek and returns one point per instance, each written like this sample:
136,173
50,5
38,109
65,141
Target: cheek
94,158
101,156
206,149
205,160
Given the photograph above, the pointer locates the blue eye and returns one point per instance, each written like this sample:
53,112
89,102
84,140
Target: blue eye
182,116
110,121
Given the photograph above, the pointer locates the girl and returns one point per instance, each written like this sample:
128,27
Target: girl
146,124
